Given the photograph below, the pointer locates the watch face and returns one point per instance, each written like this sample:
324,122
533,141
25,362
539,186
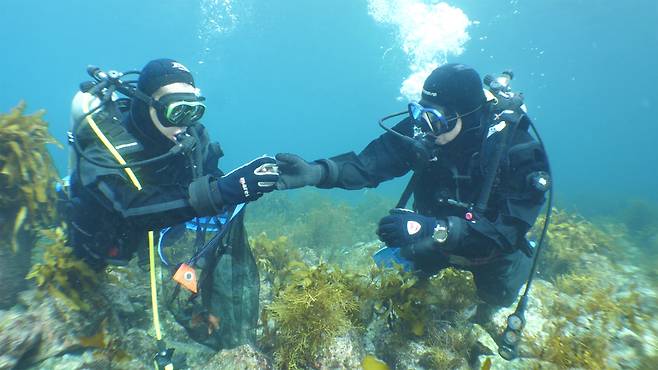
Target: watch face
441,234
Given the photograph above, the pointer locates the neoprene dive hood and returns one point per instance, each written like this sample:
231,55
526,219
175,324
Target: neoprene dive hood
457,89
155,74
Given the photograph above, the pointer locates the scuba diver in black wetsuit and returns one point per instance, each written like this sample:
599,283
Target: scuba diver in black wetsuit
479,181
145,162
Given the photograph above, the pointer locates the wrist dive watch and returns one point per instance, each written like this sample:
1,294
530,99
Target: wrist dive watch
441,232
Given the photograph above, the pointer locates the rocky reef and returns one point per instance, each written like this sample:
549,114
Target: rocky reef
324,304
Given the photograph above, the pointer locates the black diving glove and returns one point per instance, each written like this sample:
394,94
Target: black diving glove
249,181
421,251
209,195
403,227
445,238
295,172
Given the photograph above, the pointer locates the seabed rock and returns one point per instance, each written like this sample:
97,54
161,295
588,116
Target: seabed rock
240,358
409,358
345,352
18,336
498,363
486,342
378,336
13,267
85,360
61,326
537,316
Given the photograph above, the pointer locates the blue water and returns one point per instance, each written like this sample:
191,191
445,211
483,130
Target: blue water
313,77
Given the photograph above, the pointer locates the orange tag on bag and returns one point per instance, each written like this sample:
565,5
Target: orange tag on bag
186,277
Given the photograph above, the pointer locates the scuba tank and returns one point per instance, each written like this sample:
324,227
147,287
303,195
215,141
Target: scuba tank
81,103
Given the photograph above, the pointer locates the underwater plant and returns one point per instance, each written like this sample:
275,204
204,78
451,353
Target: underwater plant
400,297
313,304
275,258
107,346
452,345
328,226
649,362
583,350
272,214
61,274
27,195
641,219
408,301
588,312
27,174
312,310
454,289
318,222
569,237
593,295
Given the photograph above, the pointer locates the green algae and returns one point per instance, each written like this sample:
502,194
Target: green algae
568,238
275,259
314,303
587,350
61,274
408,300
451,345
581,323
27,174
309,313
314,221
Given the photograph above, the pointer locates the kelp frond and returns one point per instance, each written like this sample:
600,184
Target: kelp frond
61,274
27,173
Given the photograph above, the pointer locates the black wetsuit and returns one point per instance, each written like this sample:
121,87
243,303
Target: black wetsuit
111,216
493,247
108,221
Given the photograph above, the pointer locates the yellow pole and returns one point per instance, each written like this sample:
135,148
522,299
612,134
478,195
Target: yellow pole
131,175
154,291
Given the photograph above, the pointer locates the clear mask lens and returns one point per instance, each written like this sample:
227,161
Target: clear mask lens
184,112
176,113
427,119
198,113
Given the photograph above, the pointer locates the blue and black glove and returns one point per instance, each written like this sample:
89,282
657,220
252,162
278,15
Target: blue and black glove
249,181
403,227
209,195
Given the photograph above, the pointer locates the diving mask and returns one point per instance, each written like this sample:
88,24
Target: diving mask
180,109
429,120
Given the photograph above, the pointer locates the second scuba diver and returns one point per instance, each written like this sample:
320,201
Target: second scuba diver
147,163
479,183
